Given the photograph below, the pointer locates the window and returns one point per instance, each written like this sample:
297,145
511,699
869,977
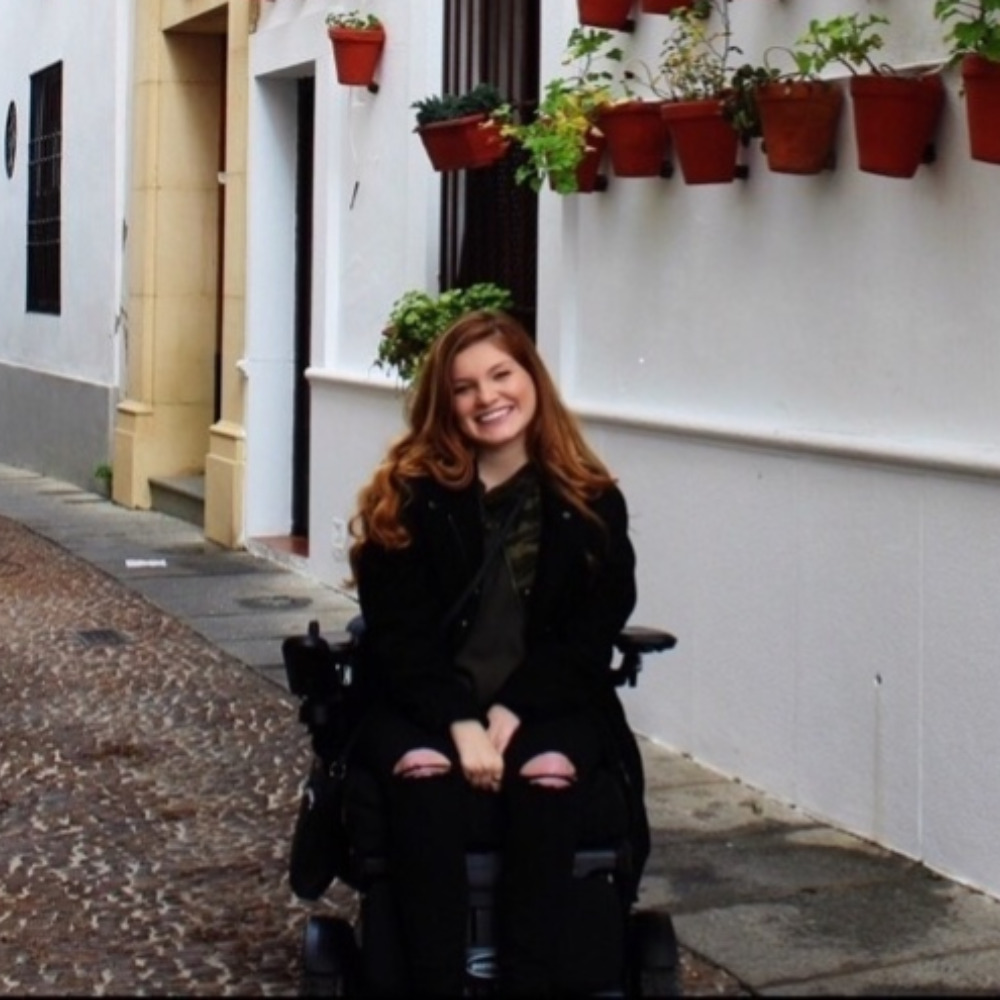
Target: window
489,225
45,191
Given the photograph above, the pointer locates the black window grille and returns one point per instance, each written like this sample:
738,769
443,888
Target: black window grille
45,192
489,224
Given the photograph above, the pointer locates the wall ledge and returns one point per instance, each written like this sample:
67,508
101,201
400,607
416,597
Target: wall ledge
940,456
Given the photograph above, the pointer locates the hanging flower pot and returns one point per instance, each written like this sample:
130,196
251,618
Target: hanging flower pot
637,138
588,173
705,142
799,121
466,143
895,118
612,14
356,53
462,131
981,81
663,6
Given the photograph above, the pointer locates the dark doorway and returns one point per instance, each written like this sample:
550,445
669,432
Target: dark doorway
303,306
220,286
489,224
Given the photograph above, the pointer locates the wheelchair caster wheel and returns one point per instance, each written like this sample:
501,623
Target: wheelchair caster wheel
655,957
329,958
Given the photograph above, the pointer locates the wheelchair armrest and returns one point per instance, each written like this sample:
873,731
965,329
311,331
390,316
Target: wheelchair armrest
639,639
633,642
341,646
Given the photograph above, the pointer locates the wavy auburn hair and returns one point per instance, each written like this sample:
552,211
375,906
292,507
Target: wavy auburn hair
434,446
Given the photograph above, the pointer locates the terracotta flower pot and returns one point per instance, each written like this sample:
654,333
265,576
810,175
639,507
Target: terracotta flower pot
981,81
588,173
663,6
705,142
356,53
637,138
895,118
799,121
463,143
612,14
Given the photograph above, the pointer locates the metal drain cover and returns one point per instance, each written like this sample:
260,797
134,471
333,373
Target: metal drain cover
101,637
274,602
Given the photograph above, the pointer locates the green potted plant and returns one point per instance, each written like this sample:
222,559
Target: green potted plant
104,477
974,39
562,143
357,40
709,105
895,114
799,113
463,131
417,318
636,136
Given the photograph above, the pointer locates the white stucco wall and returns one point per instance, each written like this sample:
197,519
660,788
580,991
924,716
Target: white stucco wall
60,374
796,379
375,221
93,43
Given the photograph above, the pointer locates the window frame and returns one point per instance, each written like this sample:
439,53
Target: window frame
43,284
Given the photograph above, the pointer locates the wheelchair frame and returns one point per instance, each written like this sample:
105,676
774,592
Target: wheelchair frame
320,674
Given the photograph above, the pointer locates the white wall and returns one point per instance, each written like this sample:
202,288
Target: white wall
93,42
797,380
375,217
60,375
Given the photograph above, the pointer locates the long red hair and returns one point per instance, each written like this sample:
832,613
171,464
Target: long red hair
433,445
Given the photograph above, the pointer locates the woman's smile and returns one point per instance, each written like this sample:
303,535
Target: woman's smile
494,397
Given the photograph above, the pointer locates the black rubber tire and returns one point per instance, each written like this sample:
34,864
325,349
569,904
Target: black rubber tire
655,957
330,965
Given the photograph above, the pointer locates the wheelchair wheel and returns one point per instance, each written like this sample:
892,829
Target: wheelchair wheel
329,958
655,960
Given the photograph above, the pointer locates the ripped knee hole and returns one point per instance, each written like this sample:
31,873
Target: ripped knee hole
421,763
550,770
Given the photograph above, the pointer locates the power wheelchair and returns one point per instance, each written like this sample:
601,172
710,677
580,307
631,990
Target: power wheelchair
340,833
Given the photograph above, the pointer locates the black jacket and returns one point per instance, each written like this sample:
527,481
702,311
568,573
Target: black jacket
583,594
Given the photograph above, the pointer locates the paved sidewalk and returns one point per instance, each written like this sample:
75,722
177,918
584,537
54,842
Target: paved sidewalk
148,785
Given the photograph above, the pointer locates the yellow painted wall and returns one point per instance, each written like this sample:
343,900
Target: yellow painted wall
188,207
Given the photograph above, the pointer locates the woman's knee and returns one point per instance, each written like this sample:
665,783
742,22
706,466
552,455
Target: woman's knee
551,769
422,762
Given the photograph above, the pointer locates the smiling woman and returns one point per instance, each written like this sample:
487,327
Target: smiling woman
494,571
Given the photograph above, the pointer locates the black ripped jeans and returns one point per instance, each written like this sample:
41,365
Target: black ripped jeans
430,829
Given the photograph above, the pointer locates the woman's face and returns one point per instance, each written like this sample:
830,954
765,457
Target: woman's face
493,397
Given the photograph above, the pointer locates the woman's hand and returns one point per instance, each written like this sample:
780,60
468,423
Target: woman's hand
503,724
482,763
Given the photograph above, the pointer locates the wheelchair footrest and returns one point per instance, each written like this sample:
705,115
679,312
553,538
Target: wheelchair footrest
484,866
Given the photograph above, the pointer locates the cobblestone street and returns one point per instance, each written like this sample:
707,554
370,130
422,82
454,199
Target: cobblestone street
147,789
148,786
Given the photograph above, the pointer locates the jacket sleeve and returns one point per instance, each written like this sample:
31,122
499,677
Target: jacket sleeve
570,649
402,609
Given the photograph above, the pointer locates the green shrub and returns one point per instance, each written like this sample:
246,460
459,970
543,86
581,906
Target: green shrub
418,318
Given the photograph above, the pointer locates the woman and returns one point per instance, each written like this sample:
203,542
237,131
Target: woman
494,572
